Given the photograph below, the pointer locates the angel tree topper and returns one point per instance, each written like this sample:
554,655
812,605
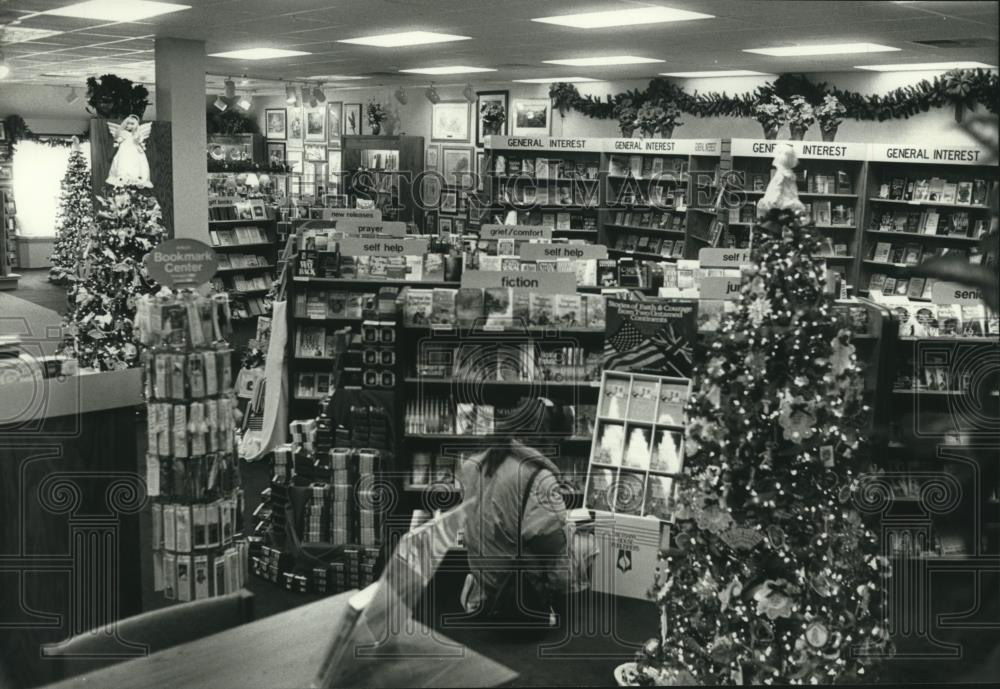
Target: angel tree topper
130,167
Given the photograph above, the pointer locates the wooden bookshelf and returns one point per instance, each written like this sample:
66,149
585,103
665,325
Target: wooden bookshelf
383,168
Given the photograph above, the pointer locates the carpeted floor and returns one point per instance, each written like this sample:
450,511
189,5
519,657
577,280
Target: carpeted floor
34,311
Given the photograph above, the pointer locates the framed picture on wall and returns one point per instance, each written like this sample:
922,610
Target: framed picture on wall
3,132
334,114
456,164
315,153
431,158
480,169
295,126
493,107
275,123
333,167
450,121
430,190
445,225
316,124
430,222
531,116
295,160
449,202
352,119
275,153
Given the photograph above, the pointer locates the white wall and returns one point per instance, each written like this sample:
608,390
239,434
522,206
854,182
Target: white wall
415,117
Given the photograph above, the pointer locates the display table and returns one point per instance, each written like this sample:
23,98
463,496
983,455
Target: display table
285,651
70,496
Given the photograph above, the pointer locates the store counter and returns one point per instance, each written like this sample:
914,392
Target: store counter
285,651
70,493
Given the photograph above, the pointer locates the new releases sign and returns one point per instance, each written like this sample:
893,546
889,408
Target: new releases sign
348,213
544,283
354,227
382,246
515,232
181,263
536,251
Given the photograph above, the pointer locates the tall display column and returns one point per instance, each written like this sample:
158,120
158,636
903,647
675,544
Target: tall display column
180,100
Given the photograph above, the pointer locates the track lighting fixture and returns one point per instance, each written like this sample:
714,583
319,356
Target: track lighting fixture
432,95
469,93
245,102
318,94
73,96
4,67
221,104
290,97
400,95
230,87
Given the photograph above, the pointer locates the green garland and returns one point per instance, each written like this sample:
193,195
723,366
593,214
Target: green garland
18,130
959,88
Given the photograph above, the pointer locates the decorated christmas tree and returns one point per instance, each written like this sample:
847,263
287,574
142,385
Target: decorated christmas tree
772,576
102,300
75,219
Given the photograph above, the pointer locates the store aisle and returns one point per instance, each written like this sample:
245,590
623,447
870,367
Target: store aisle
34,312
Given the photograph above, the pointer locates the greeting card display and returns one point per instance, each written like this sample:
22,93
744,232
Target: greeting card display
638,445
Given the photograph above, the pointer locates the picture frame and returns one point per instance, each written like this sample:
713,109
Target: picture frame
334,160
430,222
315,121
456,164
334,125
296,160
315,153
431,157
296,126
276,152
430,190
449,202
275,123
531,117
6,173
480,170
352,119
450,121
483,98
445,225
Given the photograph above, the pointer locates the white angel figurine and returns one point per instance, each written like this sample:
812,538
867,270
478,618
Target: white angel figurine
781,191
130,167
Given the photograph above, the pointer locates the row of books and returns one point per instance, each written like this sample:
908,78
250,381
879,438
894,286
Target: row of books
380,160
230,261
547,168
577,221
667,248
658,220
627,492
925,319
655,196
972,192
500,307
933,373
313,385
912,253
563,195
320,304
317,342
238,209
251,283
430,266
646,167
930,221
237,236
248,306
537,360
825,214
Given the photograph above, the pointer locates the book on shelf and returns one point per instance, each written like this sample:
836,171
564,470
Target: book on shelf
635,166
883,251
980,190
916,288
949,192
935,188
921,190
822,213
897,253
310,342
912,254
963,192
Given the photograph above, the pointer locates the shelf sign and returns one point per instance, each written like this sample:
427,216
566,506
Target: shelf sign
181,263
382,246
354,227
534,281
348,213
668,146
515,232
537,251
723,258
544,143
922,153
954,293
816,150
727,289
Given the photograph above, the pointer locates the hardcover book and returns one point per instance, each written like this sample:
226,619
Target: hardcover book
468,306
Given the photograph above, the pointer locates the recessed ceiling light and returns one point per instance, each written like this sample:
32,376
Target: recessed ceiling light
822,49
457,69
259,53
603,61
117,10
396,40
639,15
22,34
926,66
552,80
335,77
717,73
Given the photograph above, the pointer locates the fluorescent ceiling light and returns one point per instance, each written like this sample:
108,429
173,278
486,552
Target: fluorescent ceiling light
926,66
396,40
259,53
823,49
457,69
639,15
335,77
22,34
716,73
552,80
117,10
603,61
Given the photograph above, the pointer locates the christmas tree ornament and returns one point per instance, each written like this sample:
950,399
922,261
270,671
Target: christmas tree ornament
130,167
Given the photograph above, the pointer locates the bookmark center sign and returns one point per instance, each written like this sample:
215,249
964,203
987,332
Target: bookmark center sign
181,263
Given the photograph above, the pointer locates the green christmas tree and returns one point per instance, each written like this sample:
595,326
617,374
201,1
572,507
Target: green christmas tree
773,577
99,321
75,219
